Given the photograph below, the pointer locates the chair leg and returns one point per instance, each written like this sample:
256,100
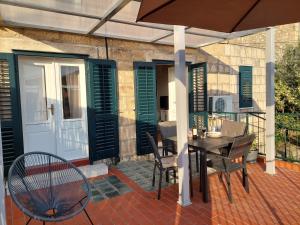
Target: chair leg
220,176
245,179
197,161
227,175
174,176
153,177
159,185
167,176
28,221
44,222
87,215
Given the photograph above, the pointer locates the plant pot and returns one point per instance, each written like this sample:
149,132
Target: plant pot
252,156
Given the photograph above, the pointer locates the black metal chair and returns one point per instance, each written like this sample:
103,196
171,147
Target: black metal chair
225,165
48,188
168,129
163,163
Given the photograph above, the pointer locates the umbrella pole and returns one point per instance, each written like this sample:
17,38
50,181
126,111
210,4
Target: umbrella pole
181,115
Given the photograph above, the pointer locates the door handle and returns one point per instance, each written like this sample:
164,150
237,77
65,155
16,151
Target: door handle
52,109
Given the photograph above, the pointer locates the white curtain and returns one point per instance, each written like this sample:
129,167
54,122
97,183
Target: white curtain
71,89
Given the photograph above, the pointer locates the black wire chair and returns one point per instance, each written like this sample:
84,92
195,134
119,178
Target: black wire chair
48,188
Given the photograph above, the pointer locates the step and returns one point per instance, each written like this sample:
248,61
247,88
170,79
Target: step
94,170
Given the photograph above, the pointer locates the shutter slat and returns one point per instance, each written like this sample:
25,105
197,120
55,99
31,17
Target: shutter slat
103,117
146,118
245,86
9,109
5,92
198,95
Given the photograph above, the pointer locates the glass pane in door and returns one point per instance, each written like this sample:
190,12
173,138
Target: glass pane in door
71,92
35,93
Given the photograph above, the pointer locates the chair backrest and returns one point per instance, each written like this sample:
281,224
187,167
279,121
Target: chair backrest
155,149
167,129
39,182
241,146
233,129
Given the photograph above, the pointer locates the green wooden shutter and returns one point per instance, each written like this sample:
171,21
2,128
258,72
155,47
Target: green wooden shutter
198,94
11,124
102,109
245,86
146,112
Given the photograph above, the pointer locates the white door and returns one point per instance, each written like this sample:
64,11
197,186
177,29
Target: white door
71,113
37,96
53,102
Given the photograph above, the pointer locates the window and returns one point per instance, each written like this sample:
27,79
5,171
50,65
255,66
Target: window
34,93
70,92
245,87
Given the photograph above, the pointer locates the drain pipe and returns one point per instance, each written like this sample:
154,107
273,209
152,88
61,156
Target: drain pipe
106,48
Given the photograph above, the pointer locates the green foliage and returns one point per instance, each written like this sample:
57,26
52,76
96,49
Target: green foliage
287,136
287,81
288,120
287,97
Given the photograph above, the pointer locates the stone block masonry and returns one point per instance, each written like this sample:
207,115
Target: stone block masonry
223,61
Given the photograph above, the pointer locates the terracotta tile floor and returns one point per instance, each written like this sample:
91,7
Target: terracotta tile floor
272,200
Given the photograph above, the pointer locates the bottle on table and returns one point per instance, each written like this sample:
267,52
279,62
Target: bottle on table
195,132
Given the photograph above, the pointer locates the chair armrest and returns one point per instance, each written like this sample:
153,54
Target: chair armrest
219,156
169,156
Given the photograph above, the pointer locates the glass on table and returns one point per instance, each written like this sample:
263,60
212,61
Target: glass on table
203,132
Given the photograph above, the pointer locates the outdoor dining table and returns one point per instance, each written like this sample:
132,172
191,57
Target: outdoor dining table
204,146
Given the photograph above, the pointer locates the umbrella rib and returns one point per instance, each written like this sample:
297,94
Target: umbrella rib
155,9
245,15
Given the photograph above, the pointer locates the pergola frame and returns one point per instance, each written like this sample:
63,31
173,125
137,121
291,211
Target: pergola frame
180,44
109,17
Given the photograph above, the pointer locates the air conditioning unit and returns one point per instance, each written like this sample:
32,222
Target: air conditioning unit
220,103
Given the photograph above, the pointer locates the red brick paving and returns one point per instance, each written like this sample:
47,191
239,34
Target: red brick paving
272,200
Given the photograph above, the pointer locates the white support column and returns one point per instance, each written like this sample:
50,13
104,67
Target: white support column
2,186
270,101
181,115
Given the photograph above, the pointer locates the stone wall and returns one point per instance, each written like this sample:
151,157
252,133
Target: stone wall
223,61
223,72
285,35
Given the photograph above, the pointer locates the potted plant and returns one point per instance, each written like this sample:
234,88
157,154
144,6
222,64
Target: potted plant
253,153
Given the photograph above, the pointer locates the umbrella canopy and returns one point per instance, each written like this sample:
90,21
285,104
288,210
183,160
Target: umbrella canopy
221,15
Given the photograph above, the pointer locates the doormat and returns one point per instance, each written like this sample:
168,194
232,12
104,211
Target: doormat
107,187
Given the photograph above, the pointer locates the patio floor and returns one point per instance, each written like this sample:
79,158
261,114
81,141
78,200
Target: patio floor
272,200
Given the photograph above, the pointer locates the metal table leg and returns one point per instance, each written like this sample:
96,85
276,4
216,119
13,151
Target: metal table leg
200,172
190,174
204,176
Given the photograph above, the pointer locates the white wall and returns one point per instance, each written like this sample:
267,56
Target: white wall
2,190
